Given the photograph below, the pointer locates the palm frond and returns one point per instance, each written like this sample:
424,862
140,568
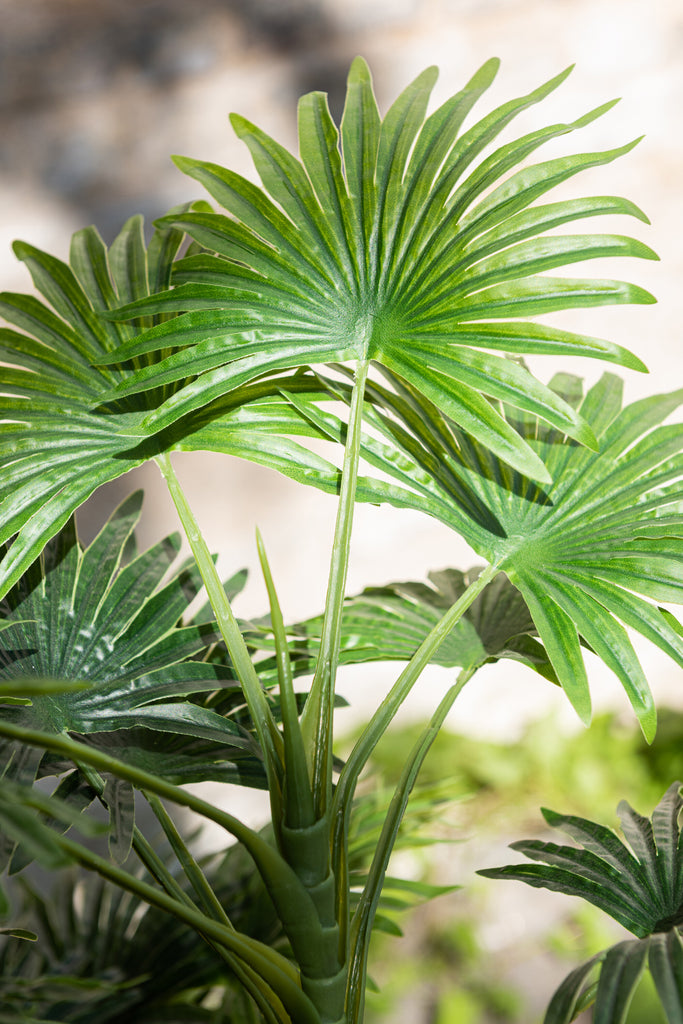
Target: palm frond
389,623
640,887
592,554
88,616
59,441
401,240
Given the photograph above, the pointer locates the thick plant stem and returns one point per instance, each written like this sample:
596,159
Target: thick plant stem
267,731
382,718
318,712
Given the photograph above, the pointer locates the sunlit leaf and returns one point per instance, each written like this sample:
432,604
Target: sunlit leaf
405,241
58,442
593,554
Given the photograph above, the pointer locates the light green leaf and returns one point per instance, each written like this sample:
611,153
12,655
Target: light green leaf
396,235
595,552
59,440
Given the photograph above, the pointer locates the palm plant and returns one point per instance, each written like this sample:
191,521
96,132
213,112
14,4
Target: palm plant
396,245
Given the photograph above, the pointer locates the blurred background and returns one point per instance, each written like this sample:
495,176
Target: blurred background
94,97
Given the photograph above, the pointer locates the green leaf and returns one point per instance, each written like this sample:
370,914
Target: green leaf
569,998
59,440
593,554
638,889
389,623
99,645
621,971
665,960
21,824
399,240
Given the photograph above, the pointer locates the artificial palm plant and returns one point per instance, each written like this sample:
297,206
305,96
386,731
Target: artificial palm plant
375,292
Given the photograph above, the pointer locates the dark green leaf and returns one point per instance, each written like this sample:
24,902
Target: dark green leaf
593,554
621,971
665,960
569,998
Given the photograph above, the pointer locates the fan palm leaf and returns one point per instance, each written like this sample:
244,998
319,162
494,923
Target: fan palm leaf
87,616
389,623
391,240
592,554
58,441
640,885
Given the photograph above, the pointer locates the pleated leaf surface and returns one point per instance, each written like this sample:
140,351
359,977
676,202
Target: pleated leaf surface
59,440
593,554
639,884
406,240
389,623
92,617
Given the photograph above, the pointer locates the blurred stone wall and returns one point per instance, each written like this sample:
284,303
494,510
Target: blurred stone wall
95,95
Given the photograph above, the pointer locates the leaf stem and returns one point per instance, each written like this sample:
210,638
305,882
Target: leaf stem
381,719
253,983
268,965
292,901
318,712
366,910
264,723
298,810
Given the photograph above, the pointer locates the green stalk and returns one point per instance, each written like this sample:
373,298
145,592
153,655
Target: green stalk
318,712
297,796
144,850
264,723
194,874
274,969
292,900
381,719
250,979
366,910
252,982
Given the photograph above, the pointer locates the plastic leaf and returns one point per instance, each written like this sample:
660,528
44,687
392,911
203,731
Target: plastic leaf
593,554
401,240
621,971
58,440
85,615
389,623
639,891
637,886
